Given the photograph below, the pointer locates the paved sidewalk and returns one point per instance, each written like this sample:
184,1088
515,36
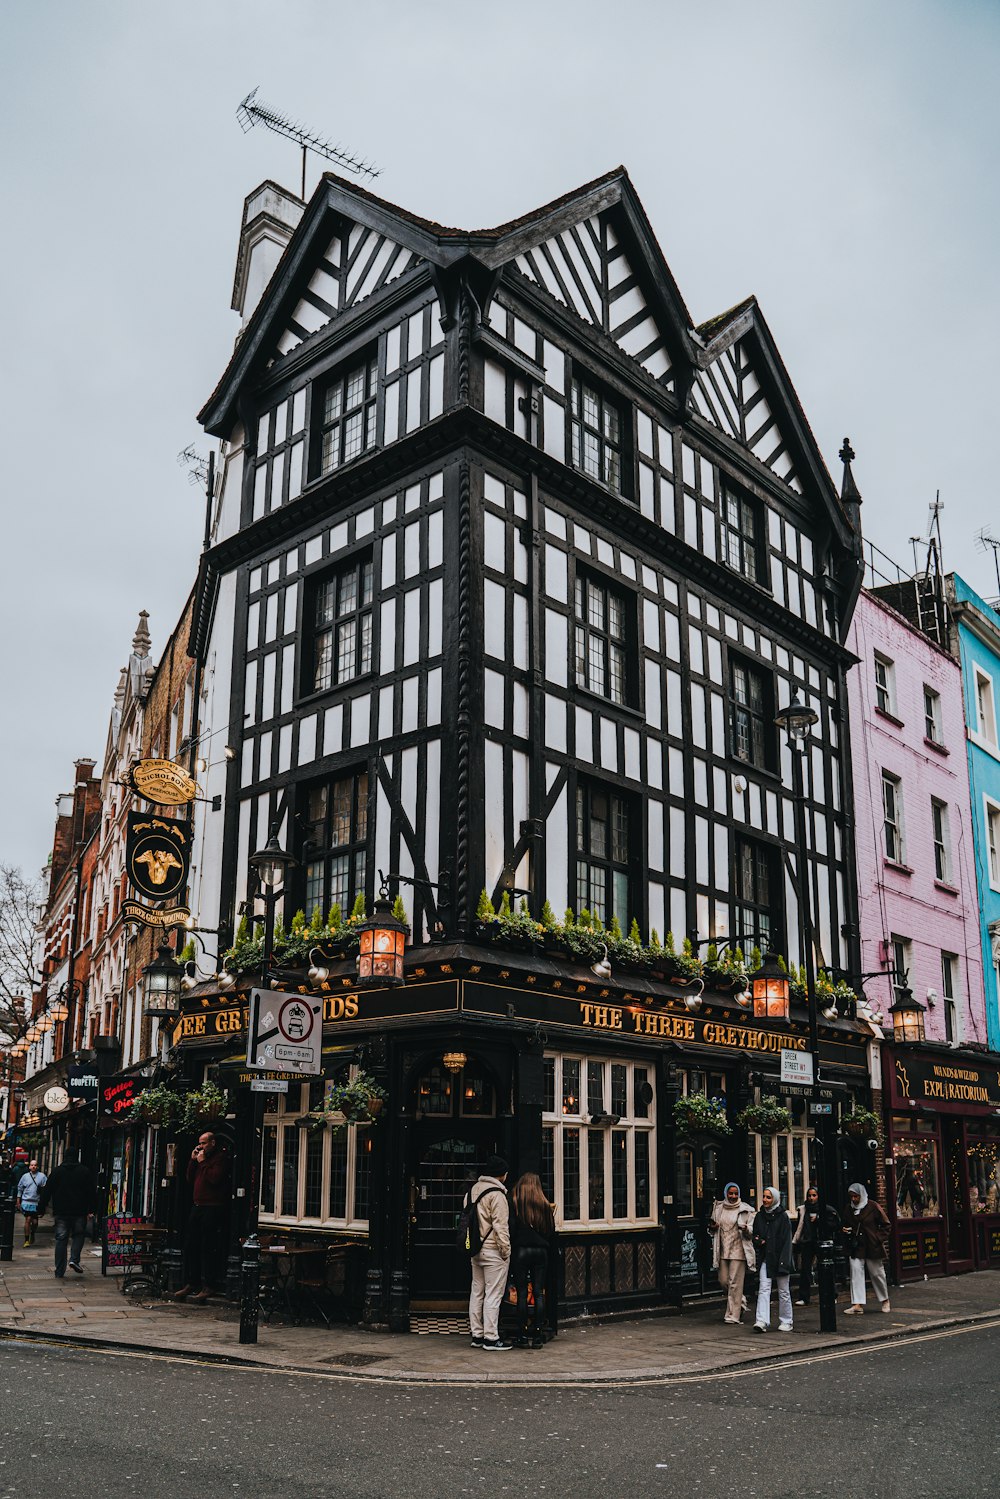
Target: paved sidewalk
90,1309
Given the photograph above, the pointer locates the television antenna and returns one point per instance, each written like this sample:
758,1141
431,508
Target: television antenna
253,111
986,541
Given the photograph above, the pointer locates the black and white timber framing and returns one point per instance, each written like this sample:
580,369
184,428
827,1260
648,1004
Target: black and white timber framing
684,484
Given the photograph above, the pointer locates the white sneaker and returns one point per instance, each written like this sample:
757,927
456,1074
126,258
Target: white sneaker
784,1327
760,1327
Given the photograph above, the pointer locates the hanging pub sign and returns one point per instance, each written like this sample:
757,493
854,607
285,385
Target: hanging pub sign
157,855
163,783
134,910
82,1082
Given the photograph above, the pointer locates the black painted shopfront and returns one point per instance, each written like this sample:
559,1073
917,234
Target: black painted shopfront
575,1080
943,1160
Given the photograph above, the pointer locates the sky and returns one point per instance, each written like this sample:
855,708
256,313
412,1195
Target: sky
838,160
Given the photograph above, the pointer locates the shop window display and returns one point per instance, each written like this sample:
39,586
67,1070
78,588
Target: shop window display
918,1176
984,1175
312,1175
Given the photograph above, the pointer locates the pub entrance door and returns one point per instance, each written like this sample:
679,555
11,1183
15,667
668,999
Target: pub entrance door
454,1134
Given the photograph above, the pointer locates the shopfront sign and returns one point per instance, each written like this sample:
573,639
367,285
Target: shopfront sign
163,783
951,1083
909,1252
157,855
635,1020
932,1249
118,1095
227,1017
134,910
82,1082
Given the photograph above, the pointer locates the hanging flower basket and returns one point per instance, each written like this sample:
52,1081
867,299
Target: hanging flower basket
156,1105
860,1123
769,1117
208,1102
359,1101
701,1120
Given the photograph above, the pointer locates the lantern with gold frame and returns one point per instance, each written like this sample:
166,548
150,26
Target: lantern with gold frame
383,944
769,984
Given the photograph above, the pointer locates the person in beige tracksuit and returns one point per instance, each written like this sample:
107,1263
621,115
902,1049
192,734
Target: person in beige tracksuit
490,1265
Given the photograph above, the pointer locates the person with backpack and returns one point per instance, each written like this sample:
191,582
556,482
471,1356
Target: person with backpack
484,1232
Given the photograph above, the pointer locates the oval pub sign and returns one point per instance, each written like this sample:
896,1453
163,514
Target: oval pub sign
164,783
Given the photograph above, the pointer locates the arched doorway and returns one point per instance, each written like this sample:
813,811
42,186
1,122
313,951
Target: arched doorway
455,1130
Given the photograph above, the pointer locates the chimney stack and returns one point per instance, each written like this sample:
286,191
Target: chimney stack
270,217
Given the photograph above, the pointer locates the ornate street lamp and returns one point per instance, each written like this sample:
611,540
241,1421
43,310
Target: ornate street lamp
907,1016
796,720
769,985
272,863
383,943
162,984
58,1009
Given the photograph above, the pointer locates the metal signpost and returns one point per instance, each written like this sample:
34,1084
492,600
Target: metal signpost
285,1033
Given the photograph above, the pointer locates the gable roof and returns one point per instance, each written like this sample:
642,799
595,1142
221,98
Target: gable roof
349,232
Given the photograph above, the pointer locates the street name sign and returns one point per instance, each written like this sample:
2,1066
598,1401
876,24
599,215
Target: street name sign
796,1066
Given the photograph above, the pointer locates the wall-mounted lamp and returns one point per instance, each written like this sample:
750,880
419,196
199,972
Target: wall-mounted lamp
602,968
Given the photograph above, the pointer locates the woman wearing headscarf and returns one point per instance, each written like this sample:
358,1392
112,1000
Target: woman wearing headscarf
732,1251
807,1236
867,1230
772,1242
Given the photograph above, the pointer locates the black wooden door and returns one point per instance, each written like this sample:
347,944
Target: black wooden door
447,1158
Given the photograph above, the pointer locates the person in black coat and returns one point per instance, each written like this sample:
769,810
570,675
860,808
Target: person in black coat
72,1191
532,1241
807,1236
772,1242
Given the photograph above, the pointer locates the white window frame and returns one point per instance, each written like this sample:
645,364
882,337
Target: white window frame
885,685
291,1107
893,824
558,1122
932,718
899,962
991,812
986,715
949,995
941,836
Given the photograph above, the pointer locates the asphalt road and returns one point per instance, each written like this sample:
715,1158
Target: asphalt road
912,1419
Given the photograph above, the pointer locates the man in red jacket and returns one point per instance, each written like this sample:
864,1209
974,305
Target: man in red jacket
208,1176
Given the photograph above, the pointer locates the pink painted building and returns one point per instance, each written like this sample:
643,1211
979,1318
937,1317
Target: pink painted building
918,907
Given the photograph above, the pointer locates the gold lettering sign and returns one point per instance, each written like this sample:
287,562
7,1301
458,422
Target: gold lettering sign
163,783
233,1019
134,910
660,1024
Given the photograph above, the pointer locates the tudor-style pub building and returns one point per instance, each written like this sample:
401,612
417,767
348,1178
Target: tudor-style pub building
512,567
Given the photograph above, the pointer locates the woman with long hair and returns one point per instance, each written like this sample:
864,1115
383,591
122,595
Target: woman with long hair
532,1231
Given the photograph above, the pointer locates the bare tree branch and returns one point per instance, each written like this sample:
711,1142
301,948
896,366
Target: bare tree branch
22,902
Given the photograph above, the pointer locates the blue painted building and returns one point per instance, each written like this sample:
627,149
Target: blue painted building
975,631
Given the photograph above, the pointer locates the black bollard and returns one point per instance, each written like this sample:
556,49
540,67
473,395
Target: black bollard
6,1227
827,1276
250,1289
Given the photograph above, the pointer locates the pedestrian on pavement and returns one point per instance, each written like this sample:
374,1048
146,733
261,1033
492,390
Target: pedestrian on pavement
208,1178
772,1242
72,1191
491,1263
532,1231
732,1250
807,1236
29,1190
867,1230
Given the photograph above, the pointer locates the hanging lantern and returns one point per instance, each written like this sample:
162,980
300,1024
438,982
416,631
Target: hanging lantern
32,1034
454,1060
162,984
907,1017
59,1010
770,990
45,1023
383,943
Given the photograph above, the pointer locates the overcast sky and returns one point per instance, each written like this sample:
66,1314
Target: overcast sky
837,159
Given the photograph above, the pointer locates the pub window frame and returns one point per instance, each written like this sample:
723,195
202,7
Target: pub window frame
324,422
584,384
357,573
741,526
283,1118
759,914
773,1147
615,869
759,732
602,657
571,1116
355,849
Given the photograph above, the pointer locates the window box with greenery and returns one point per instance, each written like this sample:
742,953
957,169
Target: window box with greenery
335,936
768,1117
699,1118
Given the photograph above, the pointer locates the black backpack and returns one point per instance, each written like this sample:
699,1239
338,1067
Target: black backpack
468,1233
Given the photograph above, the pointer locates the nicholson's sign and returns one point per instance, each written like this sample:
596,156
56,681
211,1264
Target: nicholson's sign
157,855
163,783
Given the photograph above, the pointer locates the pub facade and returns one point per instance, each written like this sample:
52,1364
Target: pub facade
511,567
